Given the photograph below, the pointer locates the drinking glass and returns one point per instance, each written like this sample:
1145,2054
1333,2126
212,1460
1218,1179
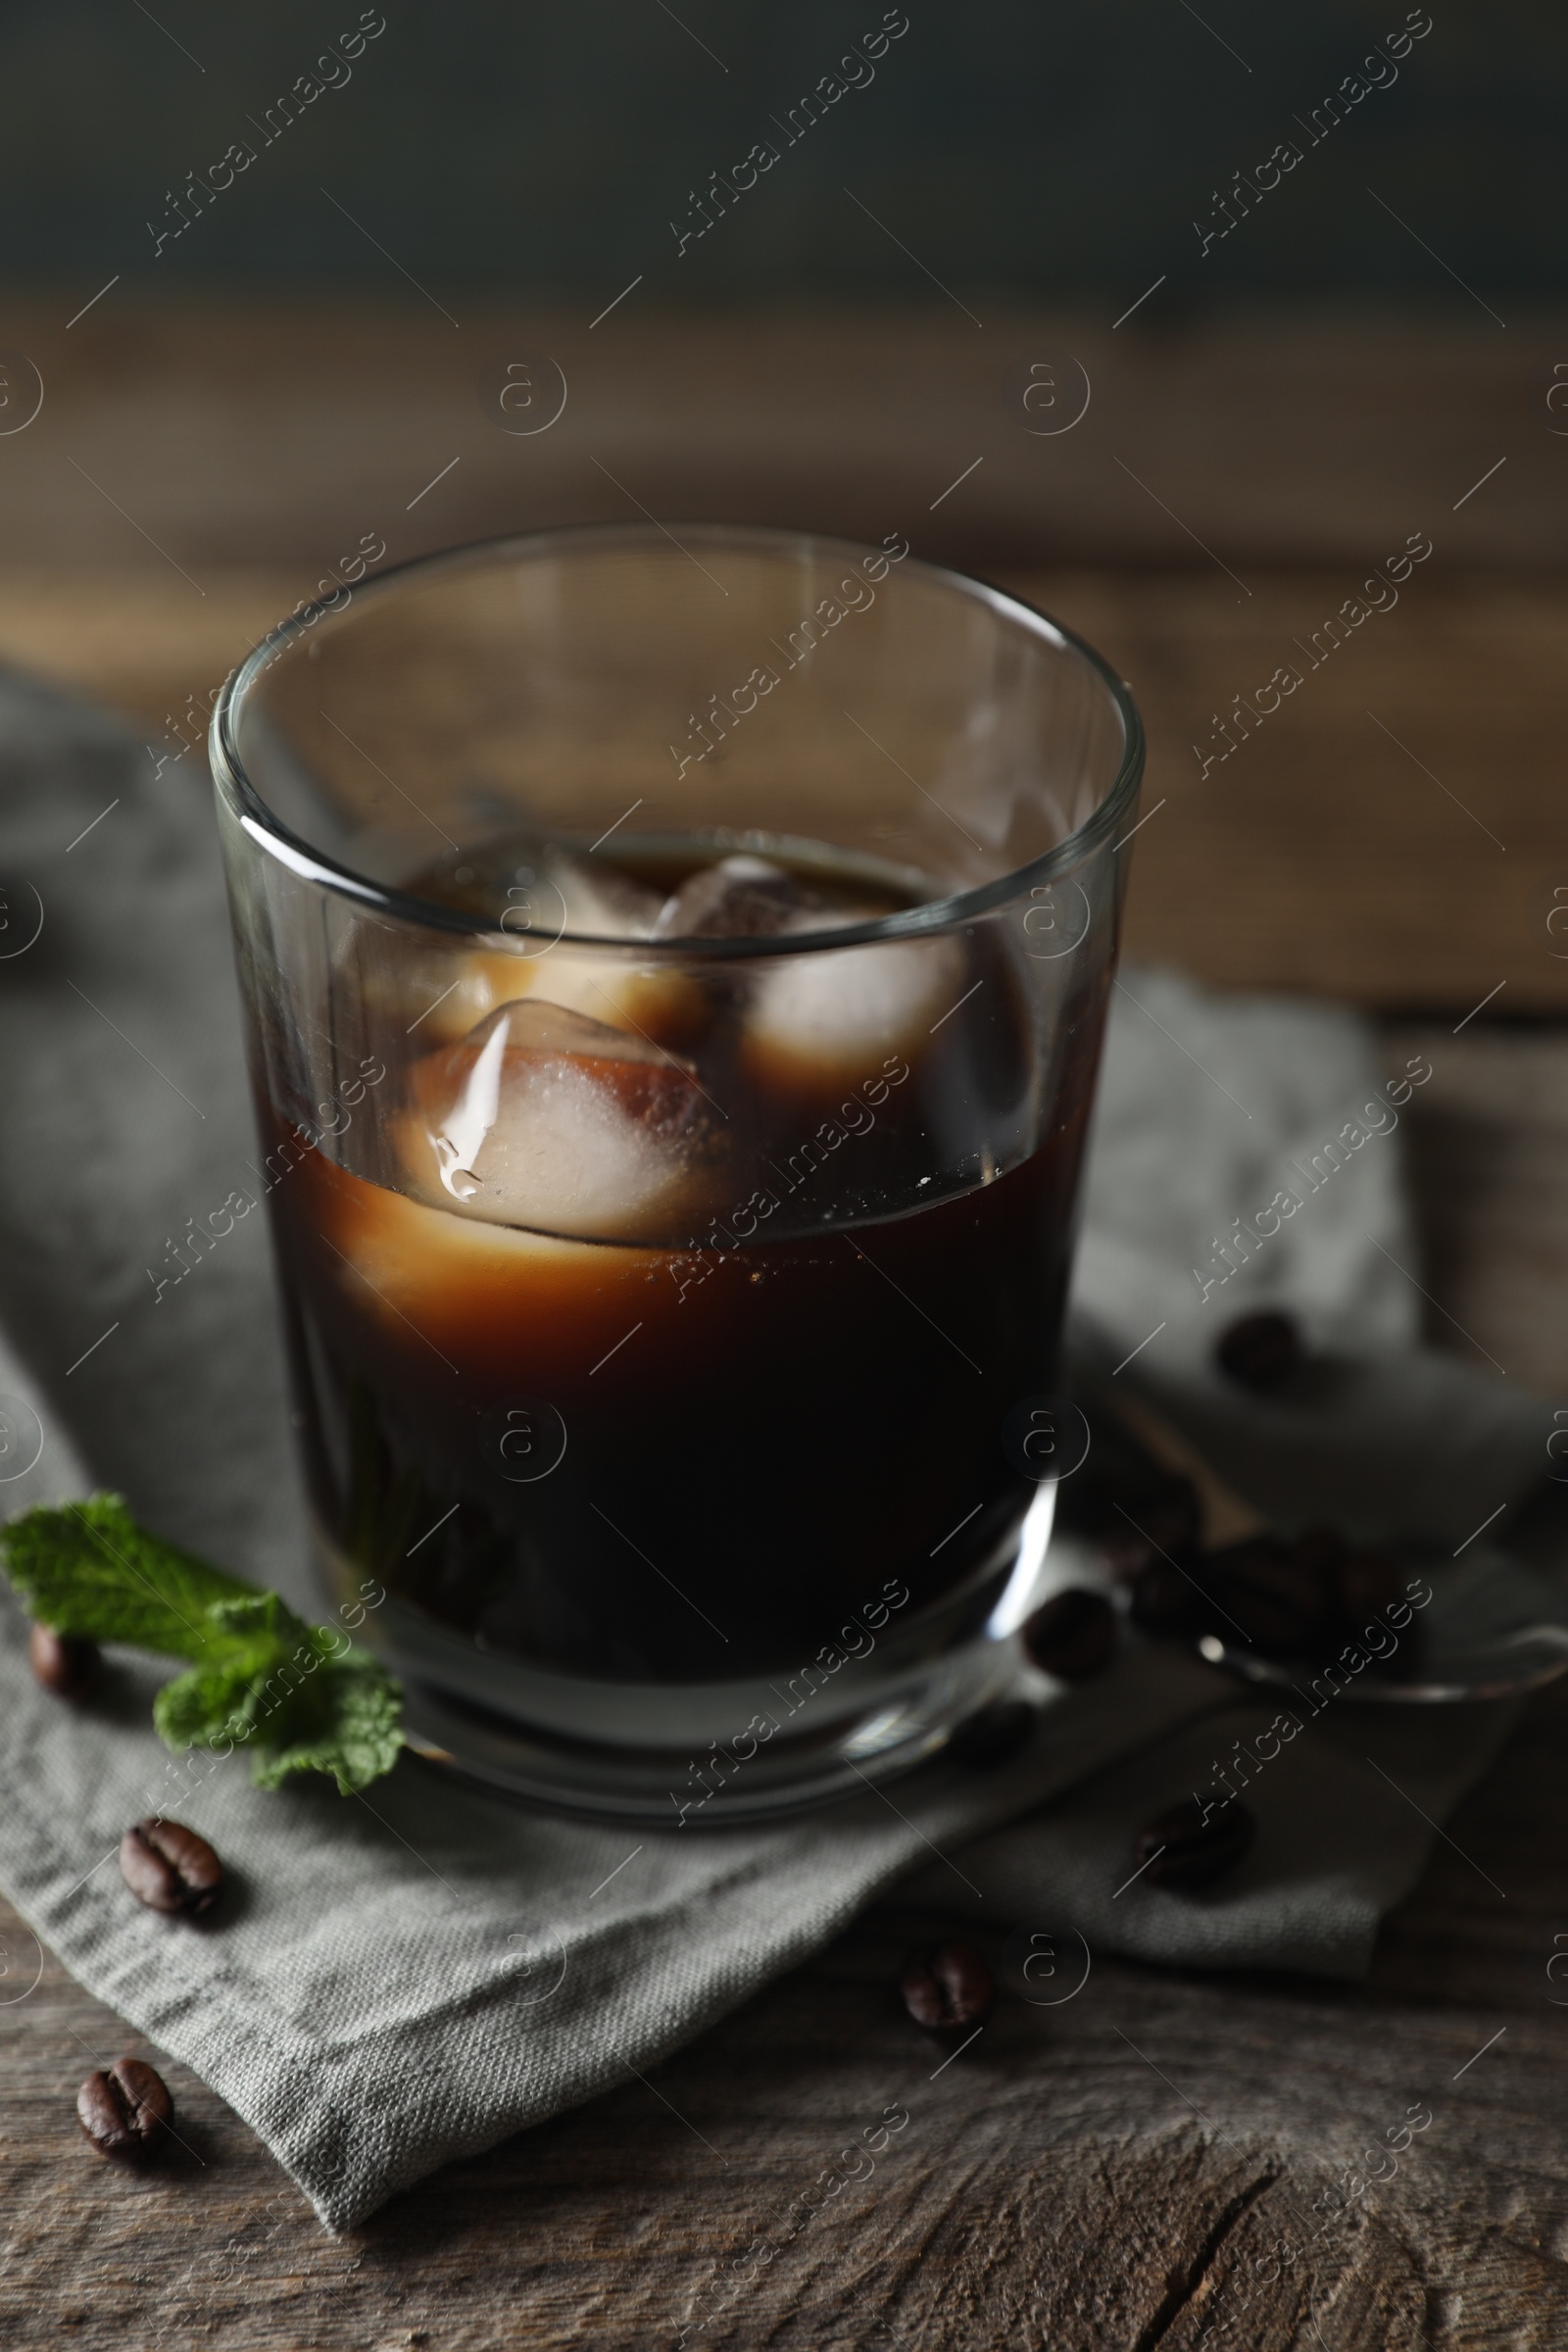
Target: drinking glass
674,968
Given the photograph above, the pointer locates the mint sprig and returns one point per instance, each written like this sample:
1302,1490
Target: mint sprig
297,1697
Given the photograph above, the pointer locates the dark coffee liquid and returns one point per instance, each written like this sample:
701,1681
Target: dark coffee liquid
641,1462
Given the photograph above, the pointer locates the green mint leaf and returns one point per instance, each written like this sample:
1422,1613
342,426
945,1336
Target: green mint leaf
263,1619
296,1696
87,1568
343,1721
195,1709
339,1716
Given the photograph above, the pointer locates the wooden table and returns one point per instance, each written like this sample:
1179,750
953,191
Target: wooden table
1391,838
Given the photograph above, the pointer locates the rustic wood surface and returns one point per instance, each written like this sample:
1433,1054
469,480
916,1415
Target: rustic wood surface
1386,836
1390,836
275,433
1056,2187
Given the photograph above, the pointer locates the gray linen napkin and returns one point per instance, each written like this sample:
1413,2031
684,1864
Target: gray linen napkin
415,1975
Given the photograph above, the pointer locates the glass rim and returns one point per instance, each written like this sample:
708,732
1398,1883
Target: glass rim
266,829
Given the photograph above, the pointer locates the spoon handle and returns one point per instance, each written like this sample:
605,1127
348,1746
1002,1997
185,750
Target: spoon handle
1226,1518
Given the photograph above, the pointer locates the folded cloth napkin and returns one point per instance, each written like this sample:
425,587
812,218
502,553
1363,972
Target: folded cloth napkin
414,1975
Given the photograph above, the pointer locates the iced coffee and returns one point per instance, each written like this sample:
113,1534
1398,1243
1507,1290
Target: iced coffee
674,968
609,1348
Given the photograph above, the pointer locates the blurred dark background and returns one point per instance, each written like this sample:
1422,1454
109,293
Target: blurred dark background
1043,151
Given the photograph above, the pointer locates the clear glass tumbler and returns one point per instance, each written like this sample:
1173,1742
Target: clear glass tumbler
674,974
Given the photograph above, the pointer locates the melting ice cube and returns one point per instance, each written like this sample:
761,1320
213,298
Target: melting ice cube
535,895
545,1118
657,1001
834,1014
739,897
535,888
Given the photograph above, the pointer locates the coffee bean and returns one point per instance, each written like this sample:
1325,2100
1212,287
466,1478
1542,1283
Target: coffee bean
1167,1524
1072,1635
1299,1598
1279,1601
126,2112
1183,1851
1165,1600
1133,1521
993,1737
1320,1551
1260,1351
68,1664
168,1868
1365,1582
947,1988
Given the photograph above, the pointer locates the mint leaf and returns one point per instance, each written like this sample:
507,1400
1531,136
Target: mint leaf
87,1568
345,1722
297,1697
193,1710
259,1618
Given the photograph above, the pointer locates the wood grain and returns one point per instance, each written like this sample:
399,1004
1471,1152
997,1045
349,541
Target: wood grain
1389,836
1115,2174
1408,865
274,433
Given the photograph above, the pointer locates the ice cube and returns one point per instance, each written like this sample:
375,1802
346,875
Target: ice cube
600,903
533,887
834,1014
545,1118
658,1003
536,892
739,898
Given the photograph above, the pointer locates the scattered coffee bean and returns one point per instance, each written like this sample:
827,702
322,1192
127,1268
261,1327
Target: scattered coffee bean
947,1988
993,1737
168,1868
1182,1849
1260,1351
1073,1634
68,1664
126,2112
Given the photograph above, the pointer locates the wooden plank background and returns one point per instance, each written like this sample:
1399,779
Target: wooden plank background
1389,837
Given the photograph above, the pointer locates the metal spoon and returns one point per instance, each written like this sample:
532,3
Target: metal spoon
1492,1630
